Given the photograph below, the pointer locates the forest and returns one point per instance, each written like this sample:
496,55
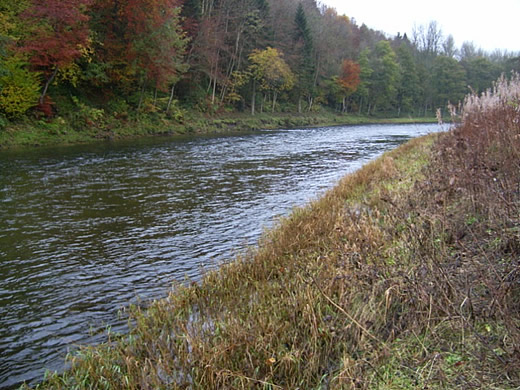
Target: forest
85,60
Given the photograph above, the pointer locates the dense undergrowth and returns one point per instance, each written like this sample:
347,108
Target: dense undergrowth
404,276
96,125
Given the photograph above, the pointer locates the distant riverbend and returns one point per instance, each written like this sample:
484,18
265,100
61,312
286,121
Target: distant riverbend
87,230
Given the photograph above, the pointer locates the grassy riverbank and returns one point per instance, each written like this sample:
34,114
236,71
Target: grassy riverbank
29,133
406,275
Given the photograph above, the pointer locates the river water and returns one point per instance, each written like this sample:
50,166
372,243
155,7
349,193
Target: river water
87,230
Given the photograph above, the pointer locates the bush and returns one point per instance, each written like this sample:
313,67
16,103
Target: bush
87,116
19,88
176,112
3,122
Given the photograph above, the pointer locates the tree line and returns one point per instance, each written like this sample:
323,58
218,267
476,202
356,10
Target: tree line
60,57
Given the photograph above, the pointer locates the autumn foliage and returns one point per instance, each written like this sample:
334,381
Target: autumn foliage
348,80
58,33
60,30
19,89
349,76
199,53
271,71
140,38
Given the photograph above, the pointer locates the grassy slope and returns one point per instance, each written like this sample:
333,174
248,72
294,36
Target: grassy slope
60,131
406,275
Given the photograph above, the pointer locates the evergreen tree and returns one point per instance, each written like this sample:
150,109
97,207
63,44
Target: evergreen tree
409,89
449,81
365,75
305,66
385,78
481,73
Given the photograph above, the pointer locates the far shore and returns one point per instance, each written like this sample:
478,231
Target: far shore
58,131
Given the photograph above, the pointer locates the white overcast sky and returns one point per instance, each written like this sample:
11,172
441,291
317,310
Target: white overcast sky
489,24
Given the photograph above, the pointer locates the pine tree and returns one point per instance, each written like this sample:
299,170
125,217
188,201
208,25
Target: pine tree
449,81
409,89
385,77
363,90
305,66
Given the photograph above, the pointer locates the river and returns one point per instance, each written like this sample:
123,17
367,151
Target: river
87,230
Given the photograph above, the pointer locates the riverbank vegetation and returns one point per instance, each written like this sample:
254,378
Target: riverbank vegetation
406,275
43,132
84,69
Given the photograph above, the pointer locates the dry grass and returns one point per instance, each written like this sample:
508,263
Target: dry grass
406,275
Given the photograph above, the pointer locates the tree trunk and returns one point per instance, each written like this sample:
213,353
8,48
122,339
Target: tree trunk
253,98
215,74
214,89
49,81
274,101
170,100
141,96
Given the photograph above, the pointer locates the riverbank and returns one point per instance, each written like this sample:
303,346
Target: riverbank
33,133
405,275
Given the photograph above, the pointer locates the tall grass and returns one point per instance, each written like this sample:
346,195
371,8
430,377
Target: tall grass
406,275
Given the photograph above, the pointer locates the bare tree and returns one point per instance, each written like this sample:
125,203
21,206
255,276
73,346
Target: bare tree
448,47
427,40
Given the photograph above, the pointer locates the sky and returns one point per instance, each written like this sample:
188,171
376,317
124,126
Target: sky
489,24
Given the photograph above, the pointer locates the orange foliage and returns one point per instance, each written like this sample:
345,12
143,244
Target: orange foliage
349,76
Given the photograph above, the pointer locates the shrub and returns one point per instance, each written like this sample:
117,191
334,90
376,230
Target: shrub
3,122
87,116
176,112
19,88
